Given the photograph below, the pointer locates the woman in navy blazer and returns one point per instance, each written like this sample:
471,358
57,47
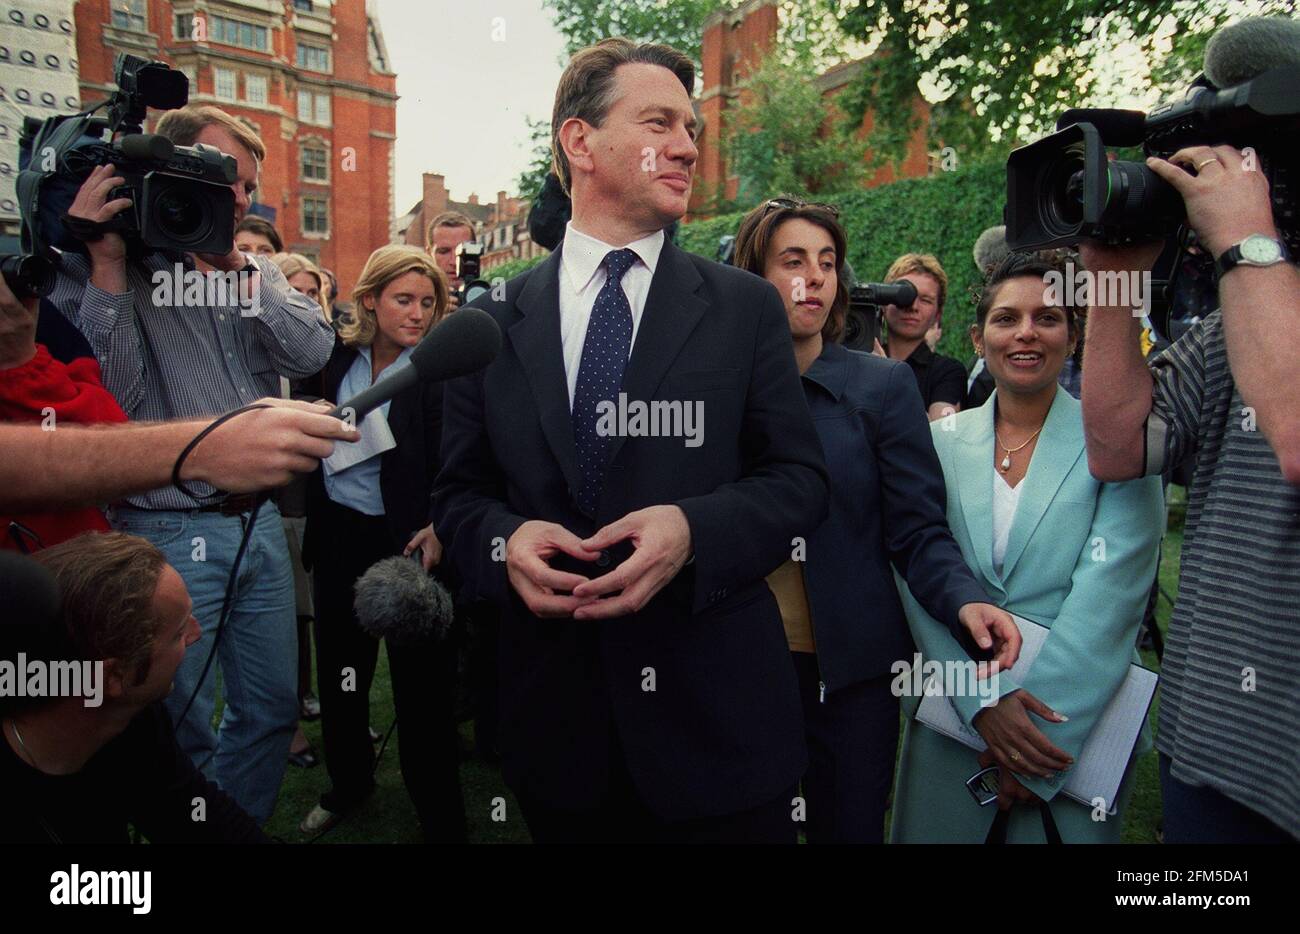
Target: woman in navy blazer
844,622
363,512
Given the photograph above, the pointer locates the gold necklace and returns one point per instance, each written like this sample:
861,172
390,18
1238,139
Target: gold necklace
1006,461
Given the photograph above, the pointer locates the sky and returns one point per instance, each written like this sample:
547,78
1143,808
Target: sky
468,73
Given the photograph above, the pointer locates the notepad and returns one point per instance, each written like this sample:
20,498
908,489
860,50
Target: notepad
1099,767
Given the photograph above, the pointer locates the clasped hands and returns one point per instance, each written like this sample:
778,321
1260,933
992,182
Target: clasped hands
662,539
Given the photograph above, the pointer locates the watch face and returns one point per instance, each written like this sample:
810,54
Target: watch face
1261,250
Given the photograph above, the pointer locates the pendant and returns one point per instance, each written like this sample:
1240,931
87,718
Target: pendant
1006,464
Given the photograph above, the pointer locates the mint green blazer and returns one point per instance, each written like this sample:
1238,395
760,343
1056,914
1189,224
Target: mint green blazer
1081,557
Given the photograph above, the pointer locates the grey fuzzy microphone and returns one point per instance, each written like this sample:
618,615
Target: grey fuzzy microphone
1250,47
990,248
396,599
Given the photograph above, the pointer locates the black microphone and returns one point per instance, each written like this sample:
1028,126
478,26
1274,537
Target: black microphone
397,600
464,342
1250,47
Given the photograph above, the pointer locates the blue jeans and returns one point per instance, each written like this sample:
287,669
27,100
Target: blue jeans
257,654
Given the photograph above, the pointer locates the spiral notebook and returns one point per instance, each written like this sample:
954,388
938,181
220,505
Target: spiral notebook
1099,767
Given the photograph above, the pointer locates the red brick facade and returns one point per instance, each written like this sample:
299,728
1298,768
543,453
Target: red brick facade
734,43
328,126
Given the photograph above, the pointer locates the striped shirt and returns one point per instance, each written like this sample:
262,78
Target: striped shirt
180,357
1230,704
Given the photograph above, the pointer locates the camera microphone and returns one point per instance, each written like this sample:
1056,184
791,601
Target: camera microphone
1250,47
397,600
464,342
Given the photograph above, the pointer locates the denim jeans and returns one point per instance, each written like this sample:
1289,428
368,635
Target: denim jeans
257,654
1198,814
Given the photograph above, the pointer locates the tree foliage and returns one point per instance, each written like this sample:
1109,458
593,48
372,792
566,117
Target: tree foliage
1000,73
784,139
679,23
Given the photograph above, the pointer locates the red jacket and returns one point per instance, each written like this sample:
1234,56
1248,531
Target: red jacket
46,391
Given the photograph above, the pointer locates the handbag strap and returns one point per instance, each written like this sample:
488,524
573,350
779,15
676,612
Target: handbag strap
998,829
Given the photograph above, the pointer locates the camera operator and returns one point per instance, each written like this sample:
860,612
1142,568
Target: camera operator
942,380
1227,728
77,769
446,232
161,361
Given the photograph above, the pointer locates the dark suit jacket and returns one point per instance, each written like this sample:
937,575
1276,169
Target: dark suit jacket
888,504
406,472
722,729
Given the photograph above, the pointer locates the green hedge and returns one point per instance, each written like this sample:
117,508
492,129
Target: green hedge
942,214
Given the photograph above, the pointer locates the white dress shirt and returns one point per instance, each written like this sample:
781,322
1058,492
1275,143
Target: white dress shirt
583,275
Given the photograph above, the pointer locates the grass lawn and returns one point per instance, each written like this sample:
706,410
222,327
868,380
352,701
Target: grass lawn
389,817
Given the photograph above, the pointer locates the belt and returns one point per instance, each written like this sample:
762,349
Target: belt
236,505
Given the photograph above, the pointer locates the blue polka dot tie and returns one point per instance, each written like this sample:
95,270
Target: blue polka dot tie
600,374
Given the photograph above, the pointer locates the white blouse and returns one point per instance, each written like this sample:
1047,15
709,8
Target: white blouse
1005,500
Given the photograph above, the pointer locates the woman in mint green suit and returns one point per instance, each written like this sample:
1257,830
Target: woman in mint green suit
1049,543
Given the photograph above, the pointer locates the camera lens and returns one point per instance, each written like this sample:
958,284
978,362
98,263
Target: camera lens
1065,191
179,216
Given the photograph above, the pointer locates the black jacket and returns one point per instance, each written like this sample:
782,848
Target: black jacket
888,505
722,729
406,472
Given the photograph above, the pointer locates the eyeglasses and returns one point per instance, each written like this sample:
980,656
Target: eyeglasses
793,204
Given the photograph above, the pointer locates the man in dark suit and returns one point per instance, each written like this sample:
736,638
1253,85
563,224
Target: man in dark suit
621,478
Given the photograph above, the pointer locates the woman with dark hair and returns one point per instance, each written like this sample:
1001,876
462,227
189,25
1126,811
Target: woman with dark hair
372,503
1055,547
838,600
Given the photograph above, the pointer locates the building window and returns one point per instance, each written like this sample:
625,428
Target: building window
255,89
313,108
131,14
184,25
313,58
315,215
315,164
234,32
223,84
304,5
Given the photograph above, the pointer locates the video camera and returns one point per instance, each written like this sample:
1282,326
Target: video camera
181,200
469,256
1063,188
865,321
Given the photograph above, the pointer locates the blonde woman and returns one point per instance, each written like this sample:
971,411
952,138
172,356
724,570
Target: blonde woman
361,512
305,277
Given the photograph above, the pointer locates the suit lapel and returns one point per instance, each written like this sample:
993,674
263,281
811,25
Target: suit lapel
975,487
672,310
1058,448
536,341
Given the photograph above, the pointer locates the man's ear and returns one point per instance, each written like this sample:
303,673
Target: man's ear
575,140
118,677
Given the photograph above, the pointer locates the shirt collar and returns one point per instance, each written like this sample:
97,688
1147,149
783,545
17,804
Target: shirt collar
583,254
363,353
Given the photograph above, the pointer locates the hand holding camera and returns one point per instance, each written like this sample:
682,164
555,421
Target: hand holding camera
92,204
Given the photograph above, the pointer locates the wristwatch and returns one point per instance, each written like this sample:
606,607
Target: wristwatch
1255,250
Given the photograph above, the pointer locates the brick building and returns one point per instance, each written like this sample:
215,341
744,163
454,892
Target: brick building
502,227
734,43
311,77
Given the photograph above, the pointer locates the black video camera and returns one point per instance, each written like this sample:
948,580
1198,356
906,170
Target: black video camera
181,199
27,276
469,256
865,321
1063,188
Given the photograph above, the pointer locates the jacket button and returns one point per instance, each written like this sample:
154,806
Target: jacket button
603,559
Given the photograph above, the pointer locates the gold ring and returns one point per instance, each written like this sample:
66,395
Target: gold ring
1015,756
1201,165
